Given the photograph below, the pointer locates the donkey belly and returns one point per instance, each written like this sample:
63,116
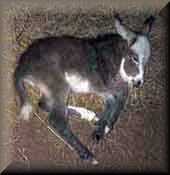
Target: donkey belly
77,83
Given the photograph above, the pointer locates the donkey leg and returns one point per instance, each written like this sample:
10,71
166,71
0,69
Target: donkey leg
26,107
83,113
46,103
58,121
113,106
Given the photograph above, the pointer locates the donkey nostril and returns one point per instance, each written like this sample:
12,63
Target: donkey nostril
138,83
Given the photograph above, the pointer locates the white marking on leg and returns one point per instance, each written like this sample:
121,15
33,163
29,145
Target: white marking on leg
106,129
44,89
77,83
25,111
85,113
30,82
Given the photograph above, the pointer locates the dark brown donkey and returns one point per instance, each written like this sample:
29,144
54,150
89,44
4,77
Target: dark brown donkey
98,65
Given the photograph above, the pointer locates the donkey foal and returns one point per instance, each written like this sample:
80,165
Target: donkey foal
100,65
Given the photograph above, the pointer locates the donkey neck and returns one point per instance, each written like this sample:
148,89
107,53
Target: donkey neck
104,55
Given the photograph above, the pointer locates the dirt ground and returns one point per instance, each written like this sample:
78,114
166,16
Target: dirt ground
138,140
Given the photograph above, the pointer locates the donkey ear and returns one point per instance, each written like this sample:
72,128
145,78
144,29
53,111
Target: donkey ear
148,25
123,30
118,18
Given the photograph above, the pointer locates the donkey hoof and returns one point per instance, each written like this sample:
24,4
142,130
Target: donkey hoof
90,158
97,136
86,156
94,161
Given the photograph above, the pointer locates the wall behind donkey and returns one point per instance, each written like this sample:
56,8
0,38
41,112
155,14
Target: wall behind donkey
25,21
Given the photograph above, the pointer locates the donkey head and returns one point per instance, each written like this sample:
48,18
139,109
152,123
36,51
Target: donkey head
132,65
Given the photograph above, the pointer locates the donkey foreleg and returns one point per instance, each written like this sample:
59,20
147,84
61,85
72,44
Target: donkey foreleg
114,104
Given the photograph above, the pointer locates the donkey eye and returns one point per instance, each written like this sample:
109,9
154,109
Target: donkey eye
135,59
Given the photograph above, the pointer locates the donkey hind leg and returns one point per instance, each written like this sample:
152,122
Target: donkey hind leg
46,103
59,123
26,107
83,113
